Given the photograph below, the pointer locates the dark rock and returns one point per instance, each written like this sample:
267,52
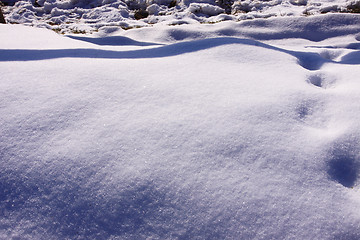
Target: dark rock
2,19
141,14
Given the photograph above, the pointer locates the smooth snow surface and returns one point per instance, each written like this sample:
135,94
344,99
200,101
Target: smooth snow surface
236,130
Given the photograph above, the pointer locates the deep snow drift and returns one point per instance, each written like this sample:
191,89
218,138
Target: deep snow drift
245,130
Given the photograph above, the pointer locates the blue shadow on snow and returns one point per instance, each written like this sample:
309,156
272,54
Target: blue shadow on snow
113,41
308,60
343,168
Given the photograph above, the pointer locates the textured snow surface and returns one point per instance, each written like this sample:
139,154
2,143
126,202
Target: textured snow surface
87,16
244,130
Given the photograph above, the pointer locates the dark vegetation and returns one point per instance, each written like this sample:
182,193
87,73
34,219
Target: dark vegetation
354,7
226,5
2,19
139,14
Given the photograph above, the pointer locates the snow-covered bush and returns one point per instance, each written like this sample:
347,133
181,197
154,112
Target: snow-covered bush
225,4
141,13
241,6
136,5
354,7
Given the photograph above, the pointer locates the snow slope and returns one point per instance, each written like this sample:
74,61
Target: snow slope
236,130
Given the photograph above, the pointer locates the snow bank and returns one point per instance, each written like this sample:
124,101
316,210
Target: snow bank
74,16
244,131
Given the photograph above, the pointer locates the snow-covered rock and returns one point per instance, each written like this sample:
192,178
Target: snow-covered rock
204,8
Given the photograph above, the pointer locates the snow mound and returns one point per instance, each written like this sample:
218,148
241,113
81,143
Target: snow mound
236,130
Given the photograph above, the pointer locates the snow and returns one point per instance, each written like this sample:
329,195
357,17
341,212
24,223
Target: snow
74,16
236,130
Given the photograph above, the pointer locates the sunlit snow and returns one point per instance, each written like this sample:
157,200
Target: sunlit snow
234,130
